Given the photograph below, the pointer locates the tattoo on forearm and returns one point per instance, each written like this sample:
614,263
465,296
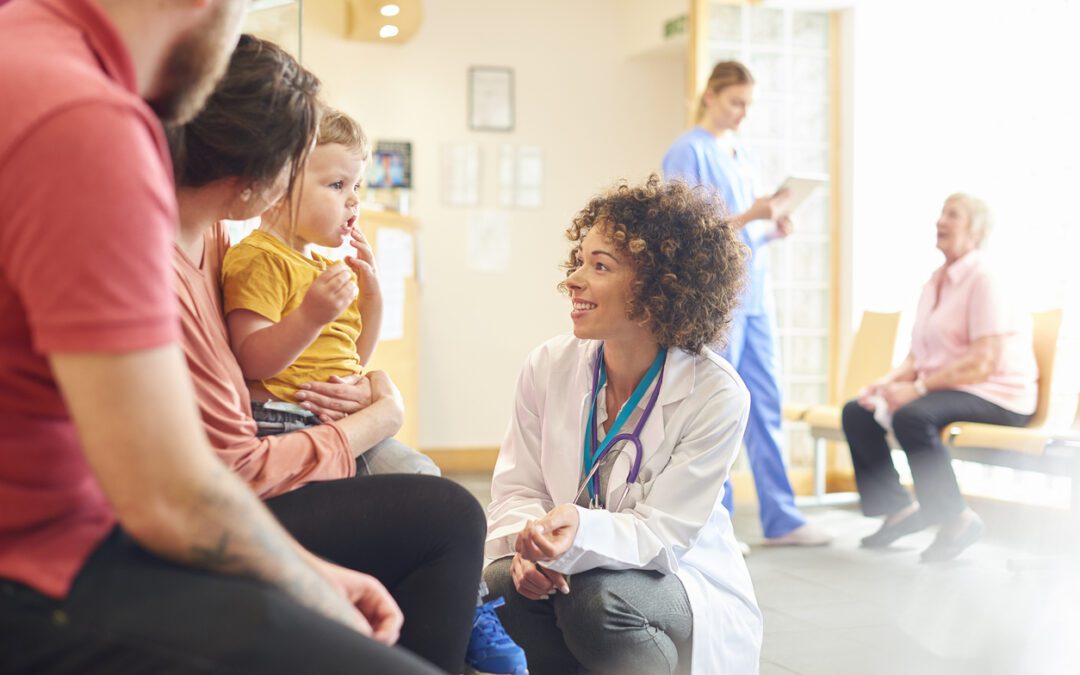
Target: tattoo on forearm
247,542
218,557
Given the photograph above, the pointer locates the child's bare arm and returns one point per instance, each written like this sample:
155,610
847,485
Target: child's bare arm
369,332
264,348
370,299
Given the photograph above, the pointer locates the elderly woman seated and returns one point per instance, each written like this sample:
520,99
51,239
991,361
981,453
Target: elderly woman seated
971,360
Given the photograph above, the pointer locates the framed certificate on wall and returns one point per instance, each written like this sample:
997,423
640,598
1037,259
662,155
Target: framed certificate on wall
491,98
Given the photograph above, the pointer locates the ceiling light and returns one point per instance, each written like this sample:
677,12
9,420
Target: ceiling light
388,31
389,10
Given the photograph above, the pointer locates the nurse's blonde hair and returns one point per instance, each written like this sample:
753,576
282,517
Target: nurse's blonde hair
724,74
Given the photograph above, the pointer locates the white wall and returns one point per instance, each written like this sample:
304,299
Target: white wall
641,25
598,116
962,95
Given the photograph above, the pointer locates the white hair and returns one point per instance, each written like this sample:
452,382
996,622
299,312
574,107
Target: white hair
978,215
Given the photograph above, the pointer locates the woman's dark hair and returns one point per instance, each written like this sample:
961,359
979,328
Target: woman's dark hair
689,264
262,116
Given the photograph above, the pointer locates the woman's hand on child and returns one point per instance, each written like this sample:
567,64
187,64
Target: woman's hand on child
384,389
329,295
535,582
363,264
337,397
551,536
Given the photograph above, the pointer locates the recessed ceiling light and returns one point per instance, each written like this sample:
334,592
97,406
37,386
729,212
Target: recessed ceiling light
388,31
389,10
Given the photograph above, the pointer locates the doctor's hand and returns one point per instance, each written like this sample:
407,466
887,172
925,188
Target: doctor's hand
535,582
337,397
551,536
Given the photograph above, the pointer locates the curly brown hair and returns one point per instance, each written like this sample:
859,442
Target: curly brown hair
689,264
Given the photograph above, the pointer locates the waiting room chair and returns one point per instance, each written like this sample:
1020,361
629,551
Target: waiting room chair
871,356
1034,447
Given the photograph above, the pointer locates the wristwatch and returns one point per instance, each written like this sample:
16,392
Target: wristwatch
920,387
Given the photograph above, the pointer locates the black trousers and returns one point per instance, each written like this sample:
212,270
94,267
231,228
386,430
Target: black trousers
917,426
132,612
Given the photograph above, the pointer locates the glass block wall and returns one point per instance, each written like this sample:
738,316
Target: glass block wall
788,131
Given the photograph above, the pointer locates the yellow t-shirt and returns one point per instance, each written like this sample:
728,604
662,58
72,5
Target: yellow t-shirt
264,275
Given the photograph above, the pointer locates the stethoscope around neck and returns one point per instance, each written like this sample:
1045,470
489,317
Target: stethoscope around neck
594,453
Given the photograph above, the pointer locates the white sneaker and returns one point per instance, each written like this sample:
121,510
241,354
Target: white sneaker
804,535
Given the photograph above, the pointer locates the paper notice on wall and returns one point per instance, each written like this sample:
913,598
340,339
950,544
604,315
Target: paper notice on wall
394,257
393,318
488,241
530,177
521,176
461,174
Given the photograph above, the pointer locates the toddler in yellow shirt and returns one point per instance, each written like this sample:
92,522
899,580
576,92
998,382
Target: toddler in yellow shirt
294,316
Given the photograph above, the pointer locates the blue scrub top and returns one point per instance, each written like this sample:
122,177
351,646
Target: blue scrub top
696,158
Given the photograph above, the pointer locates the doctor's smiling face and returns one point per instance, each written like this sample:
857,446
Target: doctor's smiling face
600,290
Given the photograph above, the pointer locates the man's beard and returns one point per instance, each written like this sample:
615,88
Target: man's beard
194,65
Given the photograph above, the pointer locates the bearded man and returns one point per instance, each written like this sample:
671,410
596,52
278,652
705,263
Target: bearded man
125,545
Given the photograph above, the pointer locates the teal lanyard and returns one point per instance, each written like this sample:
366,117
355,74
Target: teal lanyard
592,455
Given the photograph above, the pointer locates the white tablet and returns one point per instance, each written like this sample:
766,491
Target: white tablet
799,188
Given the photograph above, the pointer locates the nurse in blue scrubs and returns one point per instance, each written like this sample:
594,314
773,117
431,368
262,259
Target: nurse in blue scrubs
711,154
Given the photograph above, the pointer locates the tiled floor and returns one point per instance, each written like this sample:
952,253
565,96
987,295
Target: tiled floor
842,610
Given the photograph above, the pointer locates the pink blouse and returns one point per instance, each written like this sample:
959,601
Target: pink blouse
971,307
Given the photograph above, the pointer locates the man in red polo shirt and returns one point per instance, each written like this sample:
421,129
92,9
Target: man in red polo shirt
125,545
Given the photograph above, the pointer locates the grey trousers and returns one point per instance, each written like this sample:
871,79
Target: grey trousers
393,456
612,621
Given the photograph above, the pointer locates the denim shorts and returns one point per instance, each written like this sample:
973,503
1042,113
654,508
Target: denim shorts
278,417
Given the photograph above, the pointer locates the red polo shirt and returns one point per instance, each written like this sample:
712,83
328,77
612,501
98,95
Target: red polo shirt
87,214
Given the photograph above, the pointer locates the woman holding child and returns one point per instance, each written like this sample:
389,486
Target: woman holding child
419,536
611,545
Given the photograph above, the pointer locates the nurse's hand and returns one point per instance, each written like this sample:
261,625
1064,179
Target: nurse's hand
337,397
551,536
535,582
768,207
784,227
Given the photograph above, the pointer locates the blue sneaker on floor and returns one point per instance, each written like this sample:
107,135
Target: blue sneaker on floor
490,649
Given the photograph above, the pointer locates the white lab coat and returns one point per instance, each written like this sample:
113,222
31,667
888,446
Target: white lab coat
672,519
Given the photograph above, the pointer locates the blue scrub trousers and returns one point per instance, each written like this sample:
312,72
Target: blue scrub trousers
751,350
